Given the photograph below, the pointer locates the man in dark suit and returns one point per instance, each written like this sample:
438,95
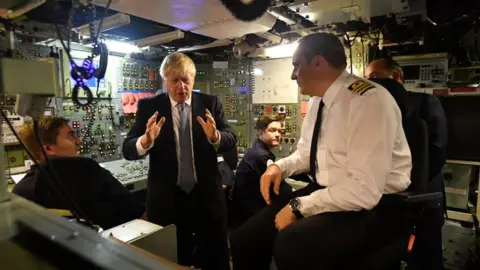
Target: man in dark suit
184,186
427,252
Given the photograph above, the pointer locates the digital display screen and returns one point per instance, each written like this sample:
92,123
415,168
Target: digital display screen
92,83
411,72
462,113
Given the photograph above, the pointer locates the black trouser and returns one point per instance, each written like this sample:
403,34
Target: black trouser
201,239
427,251
336,240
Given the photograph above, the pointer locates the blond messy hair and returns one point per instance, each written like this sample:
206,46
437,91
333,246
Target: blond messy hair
177,62
48,131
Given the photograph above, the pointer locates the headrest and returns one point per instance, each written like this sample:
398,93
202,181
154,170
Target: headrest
396,89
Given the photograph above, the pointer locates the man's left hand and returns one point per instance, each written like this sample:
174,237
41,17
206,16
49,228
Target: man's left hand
284,218
209,127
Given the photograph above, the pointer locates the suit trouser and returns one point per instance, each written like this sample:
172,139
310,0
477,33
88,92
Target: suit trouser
201,238
335,240
427,252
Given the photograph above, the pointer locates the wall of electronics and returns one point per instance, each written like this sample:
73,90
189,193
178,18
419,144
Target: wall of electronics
274,92
424,73
247,90
232,83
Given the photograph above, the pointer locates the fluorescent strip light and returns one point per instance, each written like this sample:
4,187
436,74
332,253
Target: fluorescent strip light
109,23
160,39
280,51
121,47
350,9
217,43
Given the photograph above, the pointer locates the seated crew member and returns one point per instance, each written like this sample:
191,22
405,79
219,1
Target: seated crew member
104,200
353,144
247,198
227,164
427,252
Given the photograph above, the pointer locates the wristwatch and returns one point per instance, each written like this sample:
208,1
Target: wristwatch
294,205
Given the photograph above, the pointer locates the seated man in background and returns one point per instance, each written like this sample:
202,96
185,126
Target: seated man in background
227,164
427,251
104,200
247,198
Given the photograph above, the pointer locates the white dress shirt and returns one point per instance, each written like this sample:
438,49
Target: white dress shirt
176,124
362,150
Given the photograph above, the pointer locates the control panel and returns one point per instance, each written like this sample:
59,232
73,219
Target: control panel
232,86
357,60
129,172
291,125
35,51
97,126
14,154
136,80
424,71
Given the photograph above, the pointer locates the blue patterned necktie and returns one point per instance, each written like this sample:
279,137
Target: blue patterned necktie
187,181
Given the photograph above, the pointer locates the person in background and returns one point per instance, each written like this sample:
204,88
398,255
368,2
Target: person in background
103,198
227,164
354,147
247,199
427,251
182,133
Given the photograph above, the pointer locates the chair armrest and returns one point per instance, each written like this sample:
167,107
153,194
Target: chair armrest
409,197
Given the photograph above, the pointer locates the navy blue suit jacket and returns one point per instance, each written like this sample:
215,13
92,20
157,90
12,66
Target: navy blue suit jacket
163,170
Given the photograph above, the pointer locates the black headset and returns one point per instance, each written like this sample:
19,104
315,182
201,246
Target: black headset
88,71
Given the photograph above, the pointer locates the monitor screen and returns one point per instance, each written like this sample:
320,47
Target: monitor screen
92,83
463,114
411,72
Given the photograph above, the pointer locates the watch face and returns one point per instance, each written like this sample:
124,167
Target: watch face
295,204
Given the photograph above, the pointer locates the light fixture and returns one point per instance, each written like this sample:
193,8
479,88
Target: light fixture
257,72
160,39
216,43
109,23
121,47
351,9
280,51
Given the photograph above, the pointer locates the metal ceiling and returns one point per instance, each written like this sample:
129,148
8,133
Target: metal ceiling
137,29
204,17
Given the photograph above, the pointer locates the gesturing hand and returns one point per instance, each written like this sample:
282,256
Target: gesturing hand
152,130
209,127
272,175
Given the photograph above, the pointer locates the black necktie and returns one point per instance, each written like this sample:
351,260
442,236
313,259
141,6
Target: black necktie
314,145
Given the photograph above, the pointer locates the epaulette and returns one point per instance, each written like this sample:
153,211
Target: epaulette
360,87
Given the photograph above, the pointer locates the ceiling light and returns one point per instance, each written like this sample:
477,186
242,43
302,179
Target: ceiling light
121,47
160,39
280,51
350,9
109,23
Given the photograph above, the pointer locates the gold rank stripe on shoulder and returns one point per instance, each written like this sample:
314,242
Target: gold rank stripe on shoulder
360,87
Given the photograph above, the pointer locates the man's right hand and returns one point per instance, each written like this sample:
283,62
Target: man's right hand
272,175
152,130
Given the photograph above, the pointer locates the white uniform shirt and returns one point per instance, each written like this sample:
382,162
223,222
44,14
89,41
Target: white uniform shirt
176,127
362,150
